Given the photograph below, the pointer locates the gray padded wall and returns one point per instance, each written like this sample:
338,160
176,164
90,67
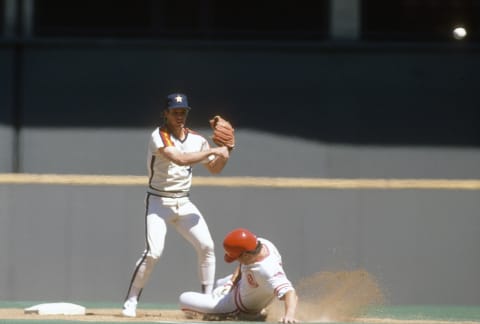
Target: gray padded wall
86,151
123,151
7,136
80,243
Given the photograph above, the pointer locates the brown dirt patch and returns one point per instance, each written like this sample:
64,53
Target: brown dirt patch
341,296
100,315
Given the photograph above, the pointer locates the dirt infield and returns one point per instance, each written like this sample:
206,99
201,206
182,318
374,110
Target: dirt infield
323,297
99,315
176,316
341,296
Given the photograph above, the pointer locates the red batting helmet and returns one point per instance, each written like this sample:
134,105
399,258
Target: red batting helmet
238,241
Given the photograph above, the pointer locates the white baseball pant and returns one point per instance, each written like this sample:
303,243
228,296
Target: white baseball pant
185,217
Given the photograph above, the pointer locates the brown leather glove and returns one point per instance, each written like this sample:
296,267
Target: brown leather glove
223,132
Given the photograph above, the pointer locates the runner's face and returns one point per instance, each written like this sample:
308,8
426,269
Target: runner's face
247,258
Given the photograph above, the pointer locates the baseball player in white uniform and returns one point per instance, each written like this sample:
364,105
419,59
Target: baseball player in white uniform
257,280
172,151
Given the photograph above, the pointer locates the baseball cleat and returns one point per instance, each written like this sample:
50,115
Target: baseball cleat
129,309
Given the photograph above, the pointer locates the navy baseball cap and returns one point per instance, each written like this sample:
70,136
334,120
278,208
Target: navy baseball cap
177,100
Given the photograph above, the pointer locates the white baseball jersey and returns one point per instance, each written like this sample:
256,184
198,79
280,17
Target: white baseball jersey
260,283
167,202
164,175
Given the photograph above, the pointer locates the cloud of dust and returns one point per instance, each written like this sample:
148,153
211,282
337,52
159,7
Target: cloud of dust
338,296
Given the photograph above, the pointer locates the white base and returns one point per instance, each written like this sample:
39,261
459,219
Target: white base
56,309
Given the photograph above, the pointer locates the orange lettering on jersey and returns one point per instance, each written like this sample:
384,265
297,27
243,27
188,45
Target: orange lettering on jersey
251,280
165,136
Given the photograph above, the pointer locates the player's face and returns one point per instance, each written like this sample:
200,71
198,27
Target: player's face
176,117
247,258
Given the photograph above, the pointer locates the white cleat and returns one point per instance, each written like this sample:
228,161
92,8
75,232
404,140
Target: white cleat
129,309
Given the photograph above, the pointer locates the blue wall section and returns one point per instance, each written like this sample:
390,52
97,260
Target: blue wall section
7,82
423,95
7,93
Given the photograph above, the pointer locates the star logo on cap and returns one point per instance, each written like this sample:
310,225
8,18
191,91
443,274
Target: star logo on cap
178,98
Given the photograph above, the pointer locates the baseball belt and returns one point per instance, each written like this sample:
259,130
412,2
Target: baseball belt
171,194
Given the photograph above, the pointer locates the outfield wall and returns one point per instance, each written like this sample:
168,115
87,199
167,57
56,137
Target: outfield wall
79,240
300,110
257,153
7,134
61,242
7,137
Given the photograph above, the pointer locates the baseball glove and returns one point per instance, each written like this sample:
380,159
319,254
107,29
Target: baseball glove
223,132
